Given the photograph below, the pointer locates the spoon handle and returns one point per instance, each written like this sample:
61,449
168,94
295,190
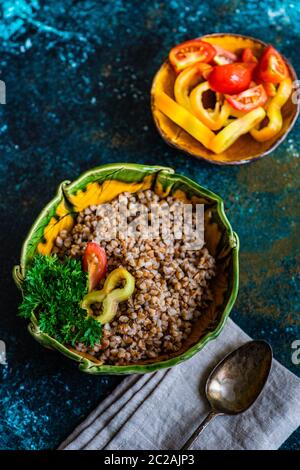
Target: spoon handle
199,429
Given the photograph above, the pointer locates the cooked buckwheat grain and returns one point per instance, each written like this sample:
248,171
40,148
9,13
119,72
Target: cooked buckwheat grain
172,283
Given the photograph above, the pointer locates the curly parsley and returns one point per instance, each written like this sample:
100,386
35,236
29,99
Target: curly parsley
53,290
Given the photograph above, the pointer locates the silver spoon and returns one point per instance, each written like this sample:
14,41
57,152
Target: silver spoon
235,383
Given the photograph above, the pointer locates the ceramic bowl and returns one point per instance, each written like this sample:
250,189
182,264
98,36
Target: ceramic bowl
245,149
101,185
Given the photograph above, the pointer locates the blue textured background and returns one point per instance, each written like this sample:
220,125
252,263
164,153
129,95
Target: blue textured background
78,75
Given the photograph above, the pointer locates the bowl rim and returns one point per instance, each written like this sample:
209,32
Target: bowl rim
233,162
85,364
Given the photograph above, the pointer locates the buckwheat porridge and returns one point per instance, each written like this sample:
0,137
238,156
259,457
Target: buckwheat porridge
172,283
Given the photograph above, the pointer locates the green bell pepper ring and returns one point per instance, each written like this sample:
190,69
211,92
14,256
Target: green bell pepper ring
109,295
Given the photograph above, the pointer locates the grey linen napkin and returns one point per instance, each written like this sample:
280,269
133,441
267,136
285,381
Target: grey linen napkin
161,410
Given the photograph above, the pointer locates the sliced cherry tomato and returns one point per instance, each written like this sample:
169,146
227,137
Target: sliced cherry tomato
248,56
270,89
248,99
272,67
231,78
94,263
190,52
223,56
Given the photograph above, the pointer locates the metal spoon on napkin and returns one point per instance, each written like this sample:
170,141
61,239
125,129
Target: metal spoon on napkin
236,382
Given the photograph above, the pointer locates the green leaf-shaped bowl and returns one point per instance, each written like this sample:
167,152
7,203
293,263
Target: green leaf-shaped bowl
104,183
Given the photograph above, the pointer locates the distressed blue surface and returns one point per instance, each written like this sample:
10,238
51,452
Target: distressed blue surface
78,76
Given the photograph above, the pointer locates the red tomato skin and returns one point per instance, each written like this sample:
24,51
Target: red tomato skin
236,100
206,55
248,56
264,71
231,78
270,88
94,263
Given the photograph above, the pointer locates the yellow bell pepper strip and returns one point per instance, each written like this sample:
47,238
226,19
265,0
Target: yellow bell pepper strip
235,129
109,295
274,113
212,118
187,80
236,113
229,121
233,114
183,118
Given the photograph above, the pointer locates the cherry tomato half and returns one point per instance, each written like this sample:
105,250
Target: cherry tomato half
248,56
231,78
248,99
272,67
223,56
190,52
94,263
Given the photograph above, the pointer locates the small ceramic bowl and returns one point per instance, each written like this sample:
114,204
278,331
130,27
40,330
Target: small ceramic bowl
245,149
101,185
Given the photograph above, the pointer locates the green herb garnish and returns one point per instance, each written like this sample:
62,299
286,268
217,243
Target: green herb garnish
53,291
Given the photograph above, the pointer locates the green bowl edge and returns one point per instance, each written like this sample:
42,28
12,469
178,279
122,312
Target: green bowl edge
85,364
18,271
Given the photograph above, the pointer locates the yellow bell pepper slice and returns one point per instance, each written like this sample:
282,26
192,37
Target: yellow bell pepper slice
235,112
274,113
109,295
213,118
227,136
187,80
183,118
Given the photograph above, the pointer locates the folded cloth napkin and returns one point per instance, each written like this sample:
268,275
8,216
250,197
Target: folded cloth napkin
161,410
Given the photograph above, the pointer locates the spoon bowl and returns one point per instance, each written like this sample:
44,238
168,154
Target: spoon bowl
236,382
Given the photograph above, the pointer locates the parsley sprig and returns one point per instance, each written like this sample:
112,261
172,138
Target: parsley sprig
53,290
